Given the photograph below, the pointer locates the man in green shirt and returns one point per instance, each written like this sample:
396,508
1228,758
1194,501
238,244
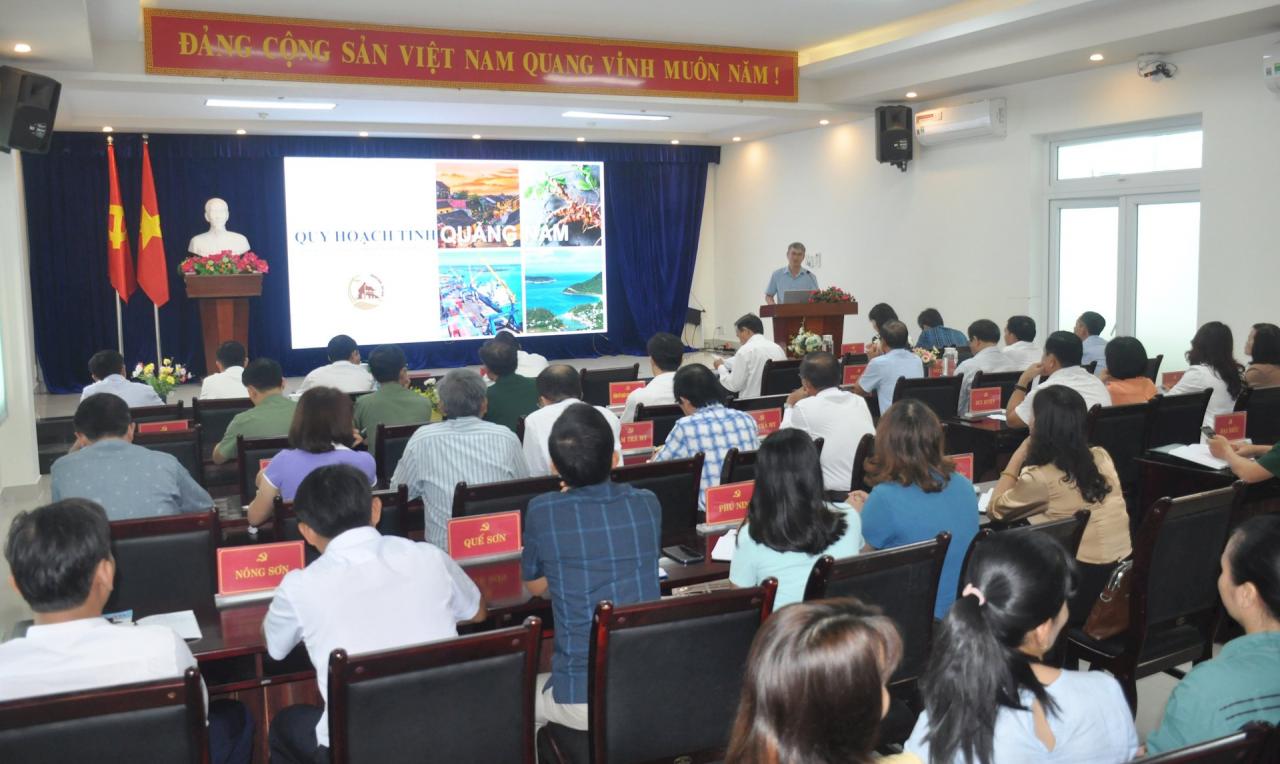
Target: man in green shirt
394,402
271,415
511,396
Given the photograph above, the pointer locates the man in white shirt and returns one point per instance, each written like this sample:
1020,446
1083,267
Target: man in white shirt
226,382
107,369
59,556
343,372
527,364
1089,329
366,592
744,372
1061,361
559,387
666,352
984,341
1018,334
823,410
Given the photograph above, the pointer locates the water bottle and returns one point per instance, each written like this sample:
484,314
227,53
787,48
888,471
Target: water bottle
949,358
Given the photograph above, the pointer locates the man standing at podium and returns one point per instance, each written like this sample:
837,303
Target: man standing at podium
794,277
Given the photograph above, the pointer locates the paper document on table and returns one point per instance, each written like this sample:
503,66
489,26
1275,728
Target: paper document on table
723,550
182,622
998,416
1198,453
984,499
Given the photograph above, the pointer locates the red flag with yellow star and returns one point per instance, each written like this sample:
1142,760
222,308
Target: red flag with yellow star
153,277
119,261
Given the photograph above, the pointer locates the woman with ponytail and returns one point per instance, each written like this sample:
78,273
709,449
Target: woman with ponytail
989,698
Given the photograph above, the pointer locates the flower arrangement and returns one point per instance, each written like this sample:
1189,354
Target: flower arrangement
927,356
804,342
164,379
830,294
223,263
428,391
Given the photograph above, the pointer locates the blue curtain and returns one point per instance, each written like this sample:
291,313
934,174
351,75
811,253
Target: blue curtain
654,200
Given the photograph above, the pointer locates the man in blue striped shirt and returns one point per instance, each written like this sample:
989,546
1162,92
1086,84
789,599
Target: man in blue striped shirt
934,335
596,540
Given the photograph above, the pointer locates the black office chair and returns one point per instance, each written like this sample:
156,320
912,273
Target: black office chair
1005,380
503,496
213,416
389,443
1262,404
250,454
664,418
595,382
163,413
739,466
165,564
1244,747
1122,432
1067,532
183,445
762,403
1152,370
942,394
780,377
677,484
1177,418
866,449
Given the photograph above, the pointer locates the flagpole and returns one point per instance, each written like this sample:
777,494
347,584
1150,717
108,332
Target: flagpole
154,308
119,327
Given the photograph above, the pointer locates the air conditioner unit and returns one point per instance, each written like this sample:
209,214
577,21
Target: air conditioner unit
956,123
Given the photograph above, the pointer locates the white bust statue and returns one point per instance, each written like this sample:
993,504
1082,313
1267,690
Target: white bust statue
217,238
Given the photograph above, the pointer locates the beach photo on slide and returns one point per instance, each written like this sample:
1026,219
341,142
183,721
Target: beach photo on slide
563,204
480,293
564,290
477,204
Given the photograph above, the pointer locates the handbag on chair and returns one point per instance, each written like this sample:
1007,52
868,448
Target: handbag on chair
1110,614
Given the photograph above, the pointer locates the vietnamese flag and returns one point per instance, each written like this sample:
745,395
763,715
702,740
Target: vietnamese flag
152,275
119,261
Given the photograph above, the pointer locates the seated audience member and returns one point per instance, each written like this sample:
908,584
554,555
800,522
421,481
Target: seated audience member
1089,328
527,364
933,334
343,372
988,694
107,369
461,448
707,427
1061,362
393,402
744,372
1263,349
60,561
366,592
823,410
1242,684
881,313
789,523
1240,457
226,383
984,341
1053,474
319,435
666,352
1213,367
815,686
1019,332
129,481
898,362
1125,374
595,540
559,387
917,493
272,412
510,395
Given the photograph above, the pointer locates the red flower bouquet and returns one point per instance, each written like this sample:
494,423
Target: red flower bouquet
223,264
830,294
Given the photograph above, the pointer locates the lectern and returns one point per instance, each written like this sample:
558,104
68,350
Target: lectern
818,317
224,309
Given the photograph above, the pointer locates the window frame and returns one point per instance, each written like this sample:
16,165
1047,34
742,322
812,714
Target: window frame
1187,180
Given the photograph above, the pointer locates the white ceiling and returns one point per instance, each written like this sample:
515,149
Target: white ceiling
855,54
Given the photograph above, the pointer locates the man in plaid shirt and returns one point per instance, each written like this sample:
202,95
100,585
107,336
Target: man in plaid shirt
707,427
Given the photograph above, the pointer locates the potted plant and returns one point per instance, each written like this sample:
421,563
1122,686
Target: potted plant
163,379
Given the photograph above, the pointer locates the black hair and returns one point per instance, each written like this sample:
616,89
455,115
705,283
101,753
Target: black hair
1060,437
341,347
820,369
1066,347
54,551
231,353
263,374
984,329
581,446
1094,323
976,666
1214,346
507,336
499,357
894,334
334,499
322,418
1126,358
880,313
559,381
1022,327
1253,554
104,363
1266,344
698,385
928,318
788,511
666,350
751,322
386,362
102,415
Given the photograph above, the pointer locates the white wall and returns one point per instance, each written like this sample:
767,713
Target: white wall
964,229
18,459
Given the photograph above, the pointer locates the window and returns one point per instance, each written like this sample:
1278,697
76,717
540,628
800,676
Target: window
1129,154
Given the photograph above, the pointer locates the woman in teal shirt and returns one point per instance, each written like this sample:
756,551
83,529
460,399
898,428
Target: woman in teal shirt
1242,684
789,522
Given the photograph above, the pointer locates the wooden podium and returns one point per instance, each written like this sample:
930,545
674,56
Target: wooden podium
818,317
224,309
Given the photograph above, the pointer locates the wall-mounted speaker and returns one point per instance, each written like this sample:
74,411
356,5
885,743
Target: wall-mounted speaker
28,103
894,135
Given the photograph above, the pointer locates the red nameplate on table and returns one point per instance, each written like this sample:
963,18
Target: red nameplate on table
768,421
484,535
853,348
983,400
964,464
257,567
728,503
935,369
636,436
1169,379
172,425
499,581
618,391
853,373
1231,426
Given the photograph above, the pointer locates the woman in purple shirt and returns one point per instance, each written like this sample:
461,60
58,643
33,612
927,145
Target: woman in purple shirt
321,434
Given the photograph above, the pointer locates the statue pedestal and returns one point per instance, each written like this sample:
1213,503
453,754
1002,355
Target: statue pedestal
224,309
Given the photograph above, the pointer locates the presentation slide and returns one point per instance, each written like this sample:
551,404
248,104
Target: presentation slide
422,250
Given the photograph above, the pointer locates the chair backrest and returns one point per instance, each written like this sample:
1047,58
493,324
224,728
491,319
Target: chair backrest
1122,431
942,394
391,522
640,653
664,417
963,353
249,455
183,445
389,443
147,721
1005,380
502,496
1177,418
165,563
676,483
595,382
903,582
213,416
738,466
780,377
1091,367
1263,406
444,697
1152,370
1242,747
157,413
355,396
1068,532
758,404
853,359
866,449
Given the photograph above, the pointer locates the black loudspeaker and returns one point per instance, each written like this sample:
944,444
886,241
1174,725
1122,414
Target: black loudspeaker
894,135
28,103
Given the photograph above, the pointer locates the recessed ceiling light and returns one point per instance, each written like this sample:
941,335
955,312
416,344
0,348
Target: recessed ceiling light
267,104
364,133
582,139
824,122
675,141
614,115
22,47
241,131
475,137
107,128
1096,57
737,138
911,94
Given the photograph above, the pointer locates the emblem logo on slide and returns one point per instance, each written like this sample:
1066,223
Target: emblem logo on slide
365,291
